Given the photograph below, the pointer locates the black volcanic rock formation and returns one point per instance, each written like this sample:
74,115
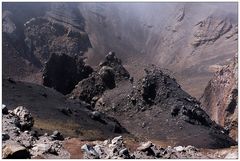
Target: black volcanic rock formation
44,37
156,107
109,73
63,72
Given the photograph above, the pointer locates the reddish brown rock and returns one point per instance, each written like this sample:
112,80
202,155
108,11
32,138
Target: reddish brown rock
220,98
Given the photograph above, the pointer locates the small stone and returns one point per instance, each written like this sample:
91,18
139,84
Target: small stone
191,148
117,140
34,133
124,152
5,137
145,146
41,147
89,150
179,148
57,135
105,142
133,100
95,115
4,109
26,132
95,98
99,149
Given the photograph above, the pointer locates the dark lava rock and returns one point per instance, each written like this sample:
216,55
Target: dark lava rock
166,110
57,135
4,110
112,61
5,136
66,111
63,72
109,74
88,88
95,115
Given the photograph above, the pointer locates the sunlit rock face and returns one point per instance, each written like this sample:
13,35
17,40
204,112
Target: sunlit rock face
220,98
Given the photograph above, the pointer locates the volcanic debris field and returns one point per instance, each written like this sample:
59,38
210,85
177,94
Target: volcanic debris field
87,81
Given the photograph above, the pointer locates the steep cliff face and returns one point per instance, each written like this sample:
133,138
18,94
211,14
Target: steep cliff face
220,98
32,36
165,34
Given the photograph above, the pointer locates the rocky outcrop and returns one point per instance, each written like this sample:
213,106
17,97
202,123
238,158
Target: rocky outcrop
116,64
44,37
31,37
155,107
63,72
109,73
26,143
210,29
25,120
220,98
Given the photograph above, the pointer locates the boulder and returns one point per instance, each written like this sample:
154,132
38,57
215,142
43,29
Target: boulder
90,151
57,136
108,76
116,64
145,146
25,118
117,140
41,148
179,148
15,151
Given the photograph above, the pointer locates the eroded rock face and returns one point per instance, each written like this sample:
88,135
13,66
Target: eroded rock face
116,64
109,73
44,37
63,72
31,37
156,107
210,29
220,98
